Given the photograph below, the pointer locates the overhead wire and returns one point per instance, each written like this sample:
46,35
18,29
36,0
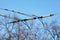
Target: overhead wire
32,18
25,15
16,12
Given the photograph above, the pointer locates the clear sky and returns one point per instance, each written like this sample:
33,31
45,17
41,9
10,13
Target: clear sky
37,7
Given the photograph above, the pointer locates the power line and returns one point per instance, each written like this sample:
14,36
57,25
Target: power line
32,18
16,12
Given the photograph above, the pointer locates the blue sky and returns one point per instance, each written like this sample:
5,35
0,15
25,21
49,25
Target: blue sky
37,7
